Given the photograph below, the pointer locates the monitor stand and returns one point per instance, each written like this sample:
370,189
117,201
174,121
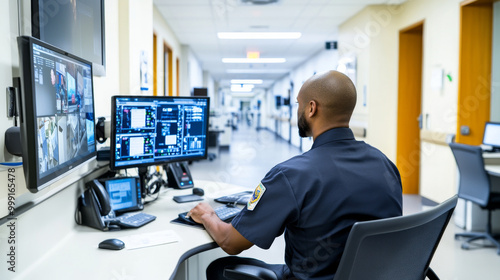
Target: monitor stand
143,177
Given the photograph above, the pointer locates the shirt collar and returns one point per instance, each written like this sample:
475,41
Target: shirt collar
334,134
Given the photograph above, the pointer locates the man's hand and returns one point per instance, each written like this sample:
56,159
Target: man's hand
228,238
200,210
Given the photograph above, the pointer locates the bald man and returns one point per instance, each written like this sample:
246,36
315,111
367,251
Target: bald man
314,198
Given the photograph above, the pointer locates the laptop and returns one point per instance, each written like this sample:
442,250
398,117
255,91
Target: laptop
491,137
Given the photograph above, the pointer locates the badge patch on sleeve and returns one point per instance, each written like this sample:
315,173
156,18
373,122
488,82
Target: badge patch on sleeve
257,194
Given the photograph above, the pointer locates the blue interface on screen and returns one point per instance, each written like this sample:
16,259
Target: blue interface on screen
155,130
122,193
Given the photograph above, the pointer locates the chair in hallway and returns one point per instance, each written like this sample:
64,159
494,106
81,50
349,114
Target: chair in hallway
392,248
475,185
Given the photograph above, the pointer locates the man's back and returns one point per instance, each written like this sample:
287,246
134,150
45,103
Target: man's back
318,196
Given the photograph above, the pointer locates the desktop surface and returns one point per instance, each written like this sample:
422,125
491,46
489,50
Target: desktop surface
78,254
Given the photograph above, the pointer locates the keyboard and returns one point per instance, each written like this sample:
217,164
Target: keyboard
132,220
238,198
225,213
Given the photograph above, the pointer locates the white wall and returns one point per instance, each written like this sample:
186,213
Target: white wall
109,85
321,61
165,35
373,35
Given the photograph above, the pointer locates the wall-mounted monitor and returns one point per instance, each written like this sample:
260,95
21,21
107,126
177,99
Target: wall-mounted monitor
75,26
155,130
57,112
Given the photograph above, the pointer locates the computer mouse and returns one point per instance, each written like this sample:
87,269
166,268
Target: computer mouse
198,191
112,244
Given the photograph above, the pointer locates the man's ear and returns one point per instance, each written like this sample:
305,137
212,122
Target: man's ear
313,108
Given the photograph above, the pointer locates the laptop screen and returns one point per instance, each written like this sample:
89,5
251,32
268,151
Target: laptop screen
124,194
492,134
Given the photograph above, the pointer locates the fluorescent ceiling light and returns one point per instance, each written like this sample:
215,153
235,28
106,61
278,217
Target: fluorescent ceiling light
246,81
254,60
259,35
257,71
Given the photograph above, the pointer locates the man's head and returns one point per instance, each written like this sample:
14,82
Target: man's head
325,101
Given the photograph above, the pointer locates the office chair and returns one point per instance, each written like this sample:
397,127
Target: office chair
475,186
392,248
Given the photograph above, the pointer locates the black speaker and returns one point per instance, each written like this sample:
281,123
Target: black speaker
13,140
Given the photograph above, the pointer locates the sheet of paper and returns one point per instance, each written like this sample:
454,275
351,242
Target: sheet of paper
137,241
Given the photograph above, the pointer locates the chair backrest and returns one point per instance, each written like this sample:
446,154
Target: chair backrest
394,248
474,182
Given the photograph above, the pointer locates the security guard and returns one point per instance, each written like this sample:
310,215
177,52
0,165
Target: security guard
316,197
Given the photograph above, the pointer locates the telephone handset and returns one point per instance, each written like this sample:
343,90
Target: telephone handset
94,206
101,196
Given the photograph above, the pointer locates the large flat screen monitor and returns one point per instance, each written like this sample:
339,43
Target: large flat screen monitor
57,112
76,26
155,130
492,135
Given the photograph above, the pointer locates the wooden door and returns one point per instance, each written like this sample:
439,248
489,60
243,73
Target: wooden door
409,106
474,83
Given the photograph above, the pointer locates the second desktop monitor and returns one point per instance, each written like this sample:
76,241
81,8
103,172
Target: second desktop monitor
154,130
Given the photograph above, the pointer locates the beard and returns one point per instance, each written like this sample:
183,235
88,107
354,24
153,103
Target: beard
304,128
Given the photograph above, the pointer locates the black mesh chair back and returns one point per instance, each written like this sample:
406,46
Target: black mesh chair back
474,183
395,248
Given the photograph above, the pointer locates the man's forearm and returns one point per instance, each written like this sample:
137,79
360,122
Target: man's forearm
221,233
228,238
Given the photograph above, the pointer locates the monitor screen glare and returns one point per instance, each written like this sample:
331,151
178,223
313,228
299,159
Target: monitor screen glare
155,130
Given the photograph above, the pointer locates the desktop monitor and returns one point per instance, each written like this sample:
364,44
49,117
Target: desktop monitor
56,112
492,135
156,130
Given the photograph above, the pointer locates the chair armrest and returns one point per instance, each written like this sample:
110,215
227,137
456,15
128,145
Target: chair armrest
431,275
249,272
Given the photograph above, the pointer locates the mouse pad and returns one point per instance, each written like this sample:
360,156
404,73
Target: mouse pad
182,222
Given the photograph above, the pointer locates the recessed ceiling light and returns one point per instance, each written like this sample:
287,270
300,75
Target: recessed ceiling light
257,71
254,60
246,81
259,35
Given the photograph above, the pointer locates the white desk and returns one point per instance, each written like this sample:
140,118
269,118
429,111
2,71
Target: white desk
493,169
491,158
77,255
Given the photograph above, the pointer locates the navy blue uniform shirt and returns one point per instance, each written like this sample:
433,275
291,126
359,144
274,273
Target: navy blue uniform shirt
316,197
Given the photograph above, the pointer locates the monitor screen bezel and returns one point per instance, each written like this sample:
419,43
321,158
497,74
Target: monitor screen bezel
28,119
112,162
495,145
